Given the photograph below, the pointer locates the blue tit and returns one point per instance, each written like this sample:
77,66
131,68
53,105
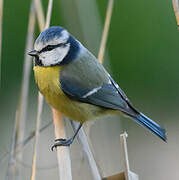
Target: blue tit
73,81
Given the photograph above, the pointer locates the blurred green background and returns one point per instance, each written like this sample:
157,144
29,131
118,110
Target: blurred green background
142,56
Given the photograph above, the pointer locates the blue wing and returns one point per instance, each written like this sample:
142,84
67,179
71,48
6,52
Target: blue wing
98,88
105,95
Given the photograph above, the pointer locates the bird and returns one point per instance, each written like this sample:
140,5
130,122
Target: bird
74,82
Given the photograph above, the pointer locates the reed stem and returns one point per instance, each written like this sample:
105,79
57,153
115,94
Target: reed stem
83,140
176,11
18,134
40,14
40,97
63,152
1,21
37,133
105,31
11,170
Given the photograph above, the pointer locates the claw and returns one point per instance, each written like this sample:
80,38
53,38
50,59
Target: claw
52,148
65,142
62,142
60,139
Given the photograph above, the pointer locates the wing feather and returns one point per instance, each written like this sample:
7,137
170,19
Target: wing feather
98,88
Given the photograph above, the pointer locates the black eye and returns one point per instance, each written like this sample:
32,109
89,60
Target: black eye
49,47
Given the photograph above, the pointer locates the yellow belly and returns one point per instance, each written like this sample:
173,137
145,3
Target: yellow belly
47,79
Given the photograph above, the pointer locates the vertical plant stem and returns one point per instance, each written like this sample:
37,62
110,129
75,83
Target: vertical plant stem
105,31
83,140
40,14
63,153
49,13
125,154
26,72
20,119
1,21
40,97
176,10
37,133
11,170
23,143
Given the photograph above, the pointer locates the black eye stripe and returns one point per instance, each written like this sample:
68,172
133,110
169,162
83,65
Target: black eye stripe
51,47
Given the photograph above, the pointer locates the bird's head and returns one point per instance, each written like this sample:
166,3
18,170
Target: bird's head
55,46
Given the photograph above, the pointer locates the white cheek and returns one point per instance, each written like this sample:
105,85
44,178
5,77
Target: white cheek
55,56
62,52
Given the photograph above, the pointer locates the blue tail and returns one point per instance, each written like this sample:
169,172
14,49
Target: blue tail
151,125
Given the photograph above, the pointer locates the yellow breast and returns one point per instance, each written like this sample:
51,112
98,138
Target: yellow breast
48,82
47,79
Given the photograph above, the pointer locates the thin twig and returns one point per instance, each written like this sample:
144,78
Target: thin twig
40,14
125,154
11,170
83,140
40,101
1,21
23,144
20,119
63,153
22,108
37,132
176,10
129,175
26,72
105,31
49,13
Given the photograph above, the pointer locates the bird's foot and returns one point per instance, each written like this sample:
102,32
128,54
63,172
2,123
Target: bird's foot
62,142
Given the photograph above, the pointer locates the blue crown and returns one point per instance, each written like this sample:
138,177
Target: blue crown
50,33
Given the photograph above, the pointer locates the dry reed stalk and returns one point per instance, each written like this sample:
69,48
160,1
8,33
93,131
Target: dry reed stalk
176,10
36,140
21,111
49,12
86,147
22,144
27,70
125,154
105,31
129,175
40,14
40,97
26,73
11,170
1,20
63,152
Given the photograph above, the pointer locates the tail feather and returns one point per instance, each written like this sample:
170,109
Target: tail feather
151,125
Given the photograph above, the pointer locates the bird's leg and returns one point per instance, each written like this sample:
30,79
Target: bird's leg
66,142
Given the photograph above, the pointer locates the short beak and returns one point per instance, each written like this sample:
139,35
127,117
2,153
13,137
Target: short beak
33,53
